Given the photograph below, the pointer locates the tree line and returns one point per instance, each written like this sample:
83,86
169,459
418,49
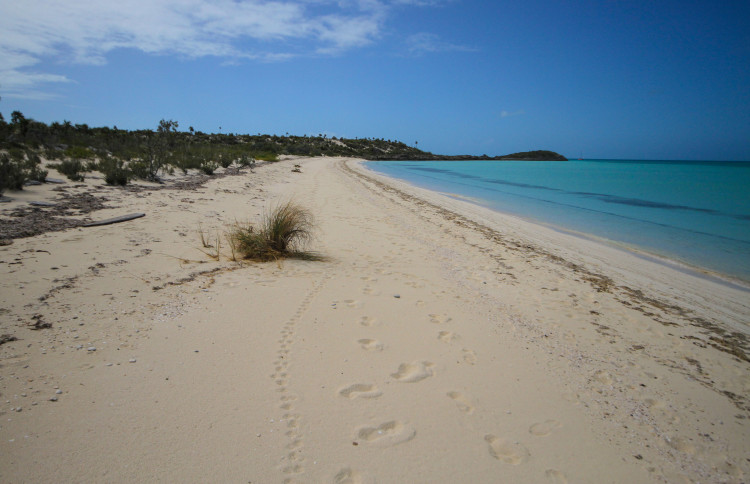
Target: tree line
125,154
122,155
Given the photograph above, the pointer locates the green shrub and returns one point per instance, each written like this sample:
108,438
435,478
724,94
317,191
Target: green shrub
117,177
78,152
16,153
245,160
283,233
225,161
12,174
17,167
267,156
53,153
209,167
33,165
139,169
73,169
114,170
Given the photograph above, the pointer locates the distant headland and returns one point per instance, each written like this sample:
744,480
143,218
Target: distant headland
537,155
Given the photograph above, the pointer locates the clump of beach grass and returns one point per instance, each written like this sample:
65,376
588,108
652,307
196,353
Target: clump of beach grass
205,237
284,232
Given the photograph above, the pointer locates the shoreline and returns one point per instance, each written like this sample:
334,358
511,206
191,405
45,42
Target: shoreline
661,254
677,265
438,341
606,257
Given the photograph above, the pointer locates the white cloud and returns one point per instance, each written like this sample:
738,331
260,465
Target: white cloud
422,3
425,42
340,34
507,114
85,31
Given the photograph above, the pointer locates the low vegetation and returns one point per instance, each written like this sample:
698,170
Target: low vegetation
115,171
284,232
147,154
74,169
18,167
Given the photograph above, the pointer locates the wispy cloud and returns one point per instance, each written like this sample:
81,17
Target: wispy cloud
422,3
507,114
85,31
424,42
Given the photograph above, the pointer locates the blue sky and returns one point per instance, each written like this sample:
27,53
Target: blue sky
606,79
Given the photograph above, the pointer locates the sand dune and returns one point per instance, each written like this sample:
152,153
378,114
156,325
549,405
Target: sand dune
438,342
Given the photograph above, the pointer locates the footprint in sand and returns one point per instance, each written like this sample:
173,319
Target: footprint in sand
353,303
556,477
573,398
447,336
655,403
439,318
683,445
360,390
371,344
512,453
469,356
347,476
544,428
292,469
367,321
413,372
603,377
386,434
462,402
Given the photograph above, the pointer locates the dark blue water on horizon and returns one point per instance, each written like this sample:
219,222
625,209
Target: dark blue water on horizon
693,212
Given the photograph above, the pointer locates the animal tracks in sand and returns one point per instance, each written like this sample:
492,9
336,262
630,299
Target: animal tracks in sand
556,477
439,318
462,402
387,434
360,390
367,321
448,336
293,463
544,428
347,303
469,356
413,372
512,453
369,291
371,344
348,476
603,377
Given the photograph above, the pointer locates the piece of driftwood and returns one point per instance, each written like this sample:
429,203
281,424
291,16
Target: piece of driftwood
56,181
42,204
115,220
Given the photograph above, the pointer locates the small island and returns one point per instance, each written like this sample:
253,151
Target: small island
537,155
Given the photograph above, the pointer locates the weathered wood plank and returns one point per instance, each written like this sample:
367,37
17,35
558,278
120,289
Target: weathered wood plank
115,220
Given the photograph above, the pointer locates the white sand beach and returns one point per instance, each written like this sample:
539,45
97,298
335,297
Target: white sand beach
437,342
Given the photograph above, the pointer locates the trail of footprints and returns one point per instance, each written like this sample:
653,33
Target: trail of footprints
394,432
390,432
292,464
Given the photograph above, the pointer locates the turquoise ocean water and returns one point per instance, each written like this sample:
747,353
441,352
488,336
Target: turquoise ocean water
693,212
